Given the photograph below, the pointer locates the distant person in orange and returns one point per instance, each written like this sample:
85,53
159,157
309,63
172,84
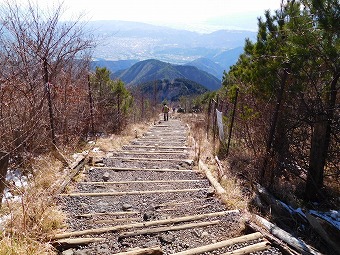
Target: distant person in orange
165,111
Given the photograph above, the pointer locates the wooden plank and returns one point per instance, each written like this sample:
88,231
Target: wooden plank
144,251
131,182
250,249
150,152
222,244
170,228
87,215
104,194
97,231
116,220
77,241
148,159
160,147
143,169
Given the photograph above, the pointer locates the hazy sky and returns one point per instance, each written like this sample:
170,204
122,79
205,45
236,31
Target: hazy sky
175,12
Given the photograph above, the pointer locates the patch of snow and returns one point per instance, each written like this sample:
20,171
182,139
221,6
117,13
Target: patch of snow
3,220
15,176
96,149
327,216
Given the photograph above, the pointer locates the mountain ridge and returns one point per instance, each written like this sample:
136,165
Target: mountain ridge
169,90
152,69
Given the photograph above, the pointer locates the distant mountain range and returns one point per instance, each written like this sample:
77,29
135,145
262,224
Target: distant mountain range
139,53
123,40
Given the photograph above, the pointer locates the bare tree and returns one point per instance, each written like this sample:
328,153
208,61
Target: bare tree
42,58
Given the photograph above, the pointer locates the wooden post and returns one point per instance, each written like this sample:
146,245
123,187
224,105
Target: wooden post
232,122
4,158
214,125
91,104
208,121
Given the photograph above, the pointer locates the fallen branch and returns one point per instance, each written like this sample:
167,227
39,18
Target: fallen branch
219,245
298,244
143,224
75,167
280,244
219,189
321,231
165,229
219,167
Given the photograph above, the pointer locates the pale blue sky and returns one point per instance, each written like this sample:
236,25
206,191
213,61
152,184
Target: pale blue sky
188,13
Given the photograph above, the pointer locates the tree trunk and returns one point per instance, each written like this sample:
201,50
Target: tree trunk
317,158
321,139
4,158
49,101
91,105
272,132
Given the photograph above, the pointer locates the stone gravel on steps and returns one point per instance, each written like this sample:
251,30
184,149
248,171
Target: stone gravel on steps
150,207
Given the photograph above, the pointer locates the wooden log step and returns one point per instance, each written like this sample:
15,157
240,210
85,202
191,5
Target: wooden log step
163,134
144,251
88,215
131,182
104,194
170,228
222,244
159,143
71,242
116,220
148,159
165,139
250,249
150,152
143,169
157,136
154,146
97,231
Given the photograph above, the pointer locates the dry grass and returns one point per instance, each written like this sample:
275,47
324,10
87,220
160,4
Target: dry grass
22,245
234,197
115,142
34,216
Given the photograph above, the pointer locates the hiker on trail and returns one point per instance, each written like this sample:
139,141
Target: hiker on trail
165,110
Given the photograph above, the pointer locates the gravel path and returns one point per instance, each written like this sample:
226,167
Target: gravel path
151,180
